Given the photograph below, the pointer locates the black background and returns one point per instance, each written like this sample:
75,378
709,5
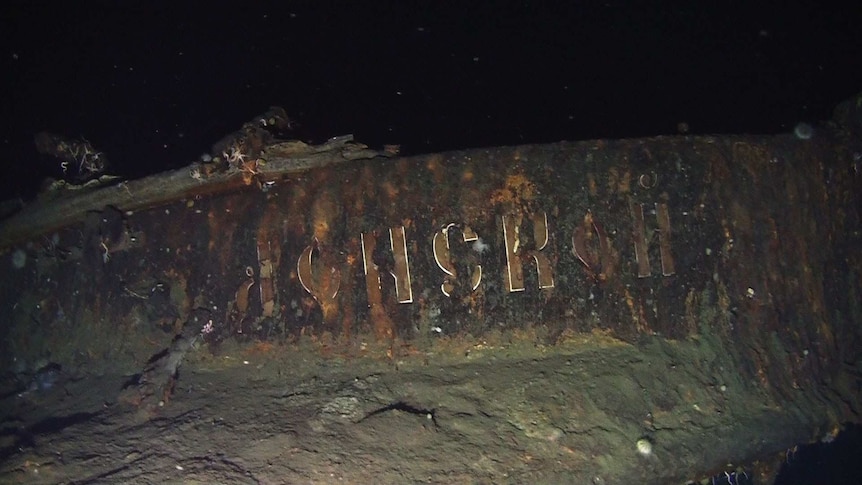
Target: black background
155,84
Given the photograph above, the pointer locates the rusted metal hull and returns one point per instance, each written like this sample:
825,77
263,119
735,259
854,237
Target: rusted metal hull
634,237
748,241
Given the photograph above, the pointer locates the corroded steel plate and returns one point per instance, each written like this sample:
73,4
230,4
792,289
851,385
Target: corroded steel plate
743,245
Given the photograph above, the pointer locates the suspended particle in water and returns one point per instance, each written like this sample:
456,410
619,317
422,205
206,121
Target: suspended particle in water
803,131
19,259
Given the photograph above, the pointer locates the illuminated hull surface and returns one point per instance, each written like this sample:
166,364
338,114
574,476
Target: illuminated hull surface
651,308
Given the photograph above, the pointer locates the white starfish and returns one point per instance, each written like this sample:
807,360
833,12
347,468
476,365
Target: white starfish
236,156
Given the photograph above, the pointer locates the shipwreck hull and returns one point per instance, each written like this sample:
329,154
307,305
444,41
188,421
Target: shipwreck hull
731,259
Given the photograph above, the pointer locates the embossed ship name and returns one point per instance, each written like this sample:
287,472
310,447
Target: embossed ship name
589,244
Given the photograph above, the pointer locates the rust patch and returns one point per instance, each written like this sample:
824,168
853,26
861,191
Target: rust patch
434,165
321,277
619,180
242,295
590,245
266,276
753,157
517,192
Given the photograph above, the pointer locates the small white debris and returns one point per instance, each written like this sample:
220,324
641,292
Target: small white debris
644,447
480,246
750,292
803,131
19,259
